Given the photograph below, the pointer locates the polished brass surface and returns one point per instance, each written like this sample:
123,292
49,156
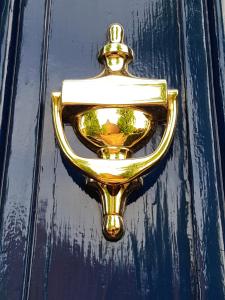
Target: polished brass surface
114,114
114,129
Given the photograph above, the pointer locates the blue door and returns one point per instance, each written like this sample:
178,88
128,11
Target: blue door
51,244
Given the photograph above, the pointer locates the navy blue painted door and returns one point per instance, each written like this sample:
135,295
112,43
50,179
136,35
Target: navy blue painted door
51,241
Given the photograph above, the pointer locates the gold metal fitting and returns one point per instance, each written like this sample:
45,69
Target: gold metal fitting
114,114
115,55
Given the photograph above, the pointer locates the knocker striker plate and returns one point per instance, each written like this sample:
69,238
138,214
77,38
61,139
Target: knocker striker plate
114,114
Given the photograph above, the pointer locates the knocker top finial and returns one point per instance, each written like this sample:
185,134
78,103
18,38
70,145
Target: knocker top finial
116,33
116,55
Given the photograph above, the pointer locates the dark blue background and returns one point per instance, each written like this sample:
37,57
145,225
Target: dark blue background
51,246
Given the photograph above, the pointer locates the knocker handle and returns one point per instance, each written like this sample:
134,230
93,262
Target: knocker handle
115,171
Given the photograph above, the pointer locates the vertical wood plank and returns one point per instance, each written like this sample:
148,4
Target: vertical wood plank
19,176
10,16
205,175
216,16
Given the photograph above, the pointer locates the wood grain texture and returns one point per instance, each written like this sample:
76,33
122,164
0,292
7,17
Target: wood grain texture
205,175
217,36
10,16
22,140
51,241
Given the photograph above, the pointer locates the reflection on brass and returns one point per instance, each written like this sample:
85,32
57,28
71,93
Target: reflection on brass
114,129
114,114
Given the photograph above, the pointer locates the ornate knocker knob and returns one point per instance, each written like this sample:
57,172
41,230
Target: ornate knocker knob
113,114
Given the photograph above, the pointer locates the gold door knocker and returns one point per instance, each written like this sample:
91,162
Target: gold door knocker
113,114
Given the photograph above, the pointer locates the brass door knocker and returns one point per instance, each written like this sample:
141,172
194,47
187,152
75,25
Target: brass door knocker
113,114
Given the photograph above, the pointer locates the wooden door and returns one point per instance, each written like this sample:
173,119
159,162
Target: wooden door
51,241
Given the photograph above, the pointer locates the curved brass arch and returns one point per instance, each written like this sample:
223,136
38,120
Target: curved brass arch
115,171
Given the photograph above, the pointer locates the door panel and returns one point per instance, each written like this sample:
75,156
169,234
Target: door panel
21,138
217,36
206,183
51,241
